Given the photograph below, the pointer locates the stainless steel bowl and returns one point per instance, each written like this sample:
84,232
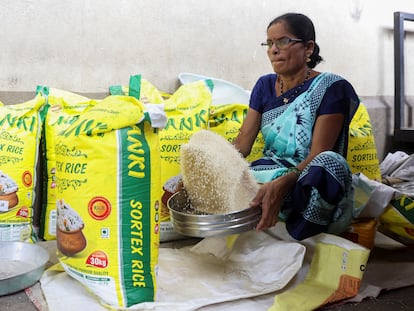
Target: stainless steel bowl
187,221
22,265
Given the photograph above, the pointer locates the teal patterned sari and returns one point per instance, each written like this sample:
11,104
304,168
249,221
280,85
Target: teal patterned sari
322,199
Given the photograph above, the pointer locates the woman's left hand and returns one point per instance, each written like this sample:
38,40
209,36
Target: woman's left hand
270,198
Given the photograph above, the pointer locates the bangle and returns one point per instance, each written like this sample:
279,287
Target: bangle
295,170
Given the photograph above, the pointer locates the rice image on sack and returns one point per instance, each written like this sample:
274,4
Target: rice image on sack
20,132
8,193
215,175
70,238
108,201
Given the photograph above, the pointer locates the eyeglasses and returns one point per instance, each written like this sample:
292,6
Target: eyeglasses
281,43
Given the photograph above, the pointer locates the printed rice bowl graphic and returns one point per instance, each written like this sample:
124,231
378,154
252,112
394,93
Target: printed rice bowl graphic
170,187
8,193
69,236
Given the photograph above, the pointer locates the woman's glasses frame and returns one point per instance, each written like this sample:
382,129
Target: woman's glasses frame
281,43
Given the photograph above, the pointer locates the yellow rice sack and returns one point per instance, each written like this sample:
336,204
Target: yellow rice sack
187,111
139,88
147,93
335,274
226,121
61,110
20,131
398,219
362,151
108,201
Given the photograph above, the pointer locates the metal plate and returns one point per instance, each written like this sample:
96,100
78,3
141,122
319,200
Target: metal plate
186,221
21,265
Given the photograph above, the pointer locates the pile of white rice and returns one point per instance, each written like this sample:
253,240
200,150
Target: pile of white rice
215,175
7,184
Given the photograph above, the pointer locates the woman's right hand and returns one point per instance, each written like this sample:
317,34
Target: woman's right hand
270,198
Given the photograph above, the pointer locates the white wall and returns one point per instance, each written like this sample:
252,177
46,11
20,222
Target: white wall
88,45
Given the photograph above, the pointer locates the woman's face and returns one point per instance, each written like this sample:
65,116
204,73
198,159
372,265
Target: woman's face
290,58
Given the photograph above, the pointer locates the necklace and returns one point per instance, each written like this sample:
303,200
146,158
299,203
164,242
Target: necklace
287,100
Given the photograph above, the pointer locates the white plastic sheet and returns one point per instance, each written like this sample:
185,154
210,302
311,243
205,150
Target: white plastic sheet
206,274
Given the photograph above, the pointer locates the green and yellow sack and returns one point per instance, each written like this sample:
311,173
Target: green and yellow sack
139,88
108,201
20,132
362,150
398,219
61,110
226,121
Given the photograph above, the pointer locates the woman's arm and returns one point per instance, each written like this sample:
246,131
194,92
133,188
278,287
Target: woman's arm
248,132
325,134
271,195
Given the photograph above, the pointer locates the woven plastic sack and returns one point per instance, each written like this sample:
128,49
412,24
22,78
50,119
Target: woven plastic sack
20,132
398,219
108,201
139,88
226,121
362,150
335,273
61,110
187,111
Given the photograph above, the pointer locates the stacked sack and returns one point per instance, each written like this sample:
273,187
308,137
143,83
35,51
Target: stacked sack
20,132
101,201
187,112
62,108
108,200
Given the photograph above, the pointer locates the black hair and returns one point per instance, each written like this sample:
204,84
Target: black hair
302,27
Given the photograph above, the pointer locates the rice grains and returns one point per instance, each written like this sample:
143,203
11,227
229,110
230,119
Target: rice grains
215,175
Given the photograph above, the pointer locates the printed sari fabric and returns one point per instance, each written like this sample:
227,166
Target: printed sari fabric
322,198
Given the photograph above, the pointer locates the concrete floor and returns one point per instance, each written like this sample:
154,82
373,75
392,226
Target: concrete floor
16,302
400,299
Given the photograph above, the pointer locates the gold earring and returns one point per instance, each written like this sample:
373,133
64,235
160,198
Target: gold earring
308,59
